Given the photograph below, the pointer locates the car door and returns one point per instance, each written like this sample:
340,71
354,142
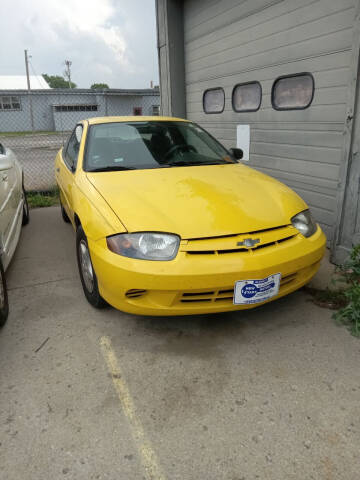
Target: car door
66,169
9,197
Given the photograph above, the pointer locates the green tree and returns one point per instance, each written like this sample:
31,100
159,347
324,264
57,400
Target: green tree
56,81
99,86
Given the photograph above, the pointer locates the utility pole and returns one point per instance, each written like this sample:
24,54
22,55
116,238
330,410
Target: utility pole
67,72
29,90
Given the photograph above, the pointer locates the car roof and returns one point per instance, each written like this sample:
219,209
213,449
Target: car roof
138,118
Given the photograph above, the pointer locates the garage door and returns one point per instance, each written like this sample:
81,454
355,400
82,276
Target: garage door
230,43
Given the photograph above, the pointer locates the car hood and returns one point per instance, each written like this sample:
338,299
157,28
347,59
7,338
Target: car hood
198,201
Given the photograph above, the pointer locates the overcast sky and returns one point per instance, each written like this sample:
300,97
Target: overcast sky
110,41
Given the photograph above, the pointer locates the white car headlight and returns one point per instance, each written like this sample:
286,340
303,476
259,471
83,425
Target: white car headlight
145,246
305,223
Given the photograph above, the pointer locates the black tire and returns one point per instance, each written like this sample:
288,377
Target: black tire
26,212
4,303
84,262
64,214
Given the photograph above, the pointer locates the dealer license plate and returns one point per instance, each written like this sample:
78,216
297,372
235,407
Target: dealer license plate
256,291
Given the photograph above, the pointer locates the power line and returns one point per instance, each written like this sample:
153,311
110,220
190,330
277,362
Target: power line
40,78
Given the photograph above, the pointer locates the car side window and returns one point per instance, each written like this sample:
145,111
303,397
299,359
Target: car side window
72,151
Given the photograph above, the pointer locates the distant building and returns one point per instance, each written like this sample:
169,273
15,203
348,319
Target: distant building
60,109
19,82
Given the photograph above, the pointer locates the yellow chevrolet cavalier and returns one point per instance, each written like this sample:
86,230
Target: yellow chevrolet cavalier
168,222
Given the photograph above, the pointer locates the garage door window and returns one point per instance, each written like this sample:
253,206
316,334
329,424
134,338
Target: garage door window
75,108
293,92
246,97
214,100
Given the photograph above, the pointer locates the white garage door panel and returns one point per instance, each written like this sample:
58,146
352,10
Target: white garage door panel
229,42
255,28
253,58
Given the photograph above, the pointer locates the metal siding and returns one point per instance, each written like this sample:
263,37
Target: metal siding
47,119
16,120
170,43
66,121
148,102
229,42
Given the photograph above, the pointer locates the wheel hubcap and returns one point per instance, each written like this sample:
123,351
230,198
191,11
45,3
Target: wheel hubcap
86,267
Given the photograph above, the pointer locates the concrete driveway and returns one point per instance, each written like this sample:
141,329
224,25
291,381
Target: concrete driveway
269,394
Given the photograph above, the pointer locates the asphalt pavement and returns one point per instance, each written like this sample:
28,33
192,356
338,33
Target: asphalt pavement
272,393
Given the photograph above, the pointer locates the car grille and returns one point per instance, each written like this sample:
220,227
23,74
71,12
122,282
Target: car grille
230,243
223,295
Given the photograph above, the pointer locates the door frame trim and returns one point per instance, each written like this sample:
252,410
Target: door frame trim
338,250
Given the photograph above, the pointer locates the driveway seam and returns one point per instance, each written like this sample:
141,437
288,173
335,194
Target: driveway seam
42,283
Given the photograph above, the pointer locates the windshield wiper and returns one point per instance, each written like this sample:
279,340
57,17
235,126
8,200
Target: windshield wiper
183,163
114,168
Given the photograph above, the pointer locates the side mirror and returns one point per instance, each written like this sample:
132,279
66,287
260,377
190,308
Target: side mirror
237,153
2,149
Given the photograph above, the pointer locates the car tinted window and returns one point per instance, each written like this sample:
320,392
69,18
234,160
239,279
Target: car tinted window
141,145
246,97
293,92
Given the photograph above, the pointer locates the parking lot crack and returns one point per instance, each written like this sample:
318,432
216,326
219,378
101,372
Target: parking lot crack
42,283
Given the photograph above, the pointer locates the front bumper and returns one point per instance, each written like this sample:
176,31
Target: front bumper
201,284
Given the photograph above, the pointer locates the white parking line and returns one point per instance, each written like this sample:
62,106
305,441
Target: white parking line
146,452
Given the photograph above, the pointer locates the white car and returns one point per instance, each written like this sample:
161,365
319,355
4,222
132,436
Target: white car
14,212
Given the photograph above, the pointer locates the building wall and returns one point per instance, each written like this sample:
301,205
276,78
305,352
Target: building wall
125,105
170,40
229,42
19,120
46,118
66,121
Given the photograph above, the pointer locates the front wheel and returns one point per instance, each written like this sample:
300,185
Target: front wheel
4,303
86,271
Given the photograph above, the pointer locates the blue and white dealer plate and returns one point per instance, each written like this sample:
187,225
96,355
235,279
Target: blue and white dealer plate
256,291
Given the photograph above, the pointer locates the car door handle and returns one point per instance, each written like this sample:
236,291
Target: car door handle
58,169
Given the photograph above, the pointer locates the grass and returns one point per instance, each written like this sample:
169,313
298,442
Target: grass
43,199
21,134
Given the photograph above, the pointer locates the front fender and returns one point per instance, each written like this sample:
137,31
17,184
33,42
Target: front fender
97,218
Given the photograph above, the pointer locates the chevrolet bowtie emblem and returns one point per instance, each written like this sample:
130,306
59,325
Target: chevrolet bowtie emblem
248,242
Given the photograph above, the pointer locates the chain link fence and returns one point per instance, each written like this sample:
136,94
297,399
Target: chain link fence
36,125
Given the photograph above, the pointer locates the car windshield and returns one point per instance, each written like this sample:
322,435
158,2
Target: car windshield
151,144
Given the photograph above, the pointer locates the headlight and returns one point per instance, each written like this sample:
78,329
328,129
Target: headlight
305,223
145,246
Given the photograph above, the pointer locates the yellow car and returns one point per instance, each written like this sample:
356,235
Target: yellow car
168,222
